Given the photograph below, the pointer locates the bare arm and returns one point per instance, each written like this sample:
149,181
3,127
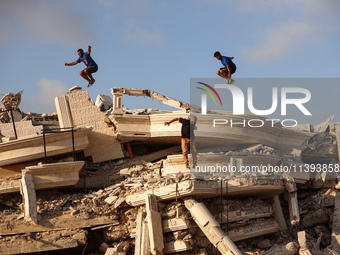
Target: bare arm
89,50
71,64
173,120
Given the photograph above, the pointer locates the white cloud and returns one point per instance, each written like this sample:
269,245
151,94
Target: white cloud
137,35
280,40
314,21
43,100
37,20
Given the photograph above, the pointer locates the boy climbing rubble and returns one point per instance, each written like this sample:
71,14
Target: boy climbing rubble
188,138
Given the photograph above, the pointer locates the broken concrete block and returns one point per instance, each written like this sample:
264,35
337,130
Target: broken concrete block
315,218
175,224
303,243
110,251
63,111
293,208
29,198
288,249
103,102
154,225
12,101
278,213
177,246
75,88
321,128
139,232
145,245
111,199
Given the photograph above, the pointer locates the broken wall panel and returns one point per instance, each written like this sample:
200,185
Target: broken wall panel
103,144
23,129
63,111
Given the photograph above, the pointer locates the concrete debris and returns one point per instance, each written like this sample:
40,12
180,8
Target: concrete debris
121,187
12,101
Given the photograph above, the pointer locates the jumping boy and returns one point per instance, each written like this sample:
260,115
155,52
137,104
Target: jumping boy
91,66
229,66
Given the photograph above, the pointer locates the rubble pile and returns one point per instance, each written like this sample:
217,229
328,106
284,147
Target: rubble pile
116,196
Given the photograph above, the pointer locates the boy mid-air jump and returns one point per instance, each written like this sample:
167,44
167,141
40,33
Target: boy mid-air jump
229,67
91,66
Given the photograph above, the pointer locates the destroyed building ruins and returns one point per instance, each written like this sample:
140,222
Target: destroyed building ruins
97,178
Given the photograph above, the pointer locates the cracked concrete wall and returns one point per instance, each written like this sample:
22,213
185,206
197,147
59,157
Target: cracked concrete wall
23,128
103,144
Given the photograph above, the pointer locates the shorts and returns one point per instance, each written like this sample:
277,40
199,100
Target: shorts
92,69
232,69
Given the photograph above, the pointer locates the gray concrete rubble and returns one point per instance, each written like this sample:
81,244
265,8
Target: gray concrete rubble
96,178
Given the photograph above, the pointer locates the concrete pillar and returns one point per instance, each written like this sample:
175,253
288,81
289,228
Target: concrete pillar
117,103
29,198
211,228
154,219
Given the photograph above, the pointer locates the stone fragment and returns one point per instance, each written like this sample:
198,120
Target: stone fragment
314,218
154,225
29,198
288,249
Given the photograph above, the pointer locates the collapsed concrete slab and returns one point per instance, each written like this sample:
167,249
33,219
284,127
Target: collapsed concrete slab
31,148
206,188
40,242
46,176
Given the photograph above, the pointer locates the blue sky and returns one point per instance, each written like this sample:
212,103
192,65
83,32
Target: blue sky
161,44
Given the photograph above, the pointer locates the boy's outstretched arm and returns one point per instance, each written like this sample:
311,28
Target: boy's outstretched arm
168,123
89,49
71,64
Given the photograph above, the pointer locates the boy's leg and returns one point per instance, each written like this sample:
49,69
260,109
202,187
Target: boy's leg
185,149
84,75
88,73
223,73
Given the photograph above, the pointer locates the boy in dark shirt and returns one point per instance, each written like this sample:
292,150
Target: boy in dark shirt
229,66
187,134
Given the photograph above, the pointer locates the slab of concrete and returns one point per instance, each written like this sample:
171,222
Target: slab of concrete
209,188
47,176
31,148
